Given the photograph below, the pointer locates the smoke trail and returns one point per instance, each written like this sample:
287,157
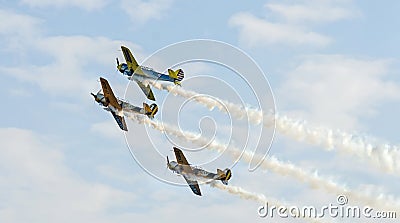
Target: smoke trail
270,163
384,156
247,195
244,194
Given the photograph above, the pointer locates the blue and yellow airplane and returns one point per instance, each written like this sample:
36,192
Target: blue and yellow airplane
136,72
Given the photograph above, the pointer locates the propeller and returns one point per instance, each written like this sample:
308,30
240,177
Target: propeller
165,170
95,96
117,61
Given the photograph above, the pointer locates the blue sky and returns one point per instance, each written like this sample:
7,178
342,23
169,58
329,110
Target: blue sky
333,63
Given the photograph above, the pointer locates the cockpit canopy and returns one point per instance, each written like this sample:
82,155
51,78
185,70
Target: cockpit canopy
123,67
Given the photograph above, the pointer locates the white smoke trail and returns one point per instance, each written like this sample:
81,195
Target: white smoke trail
247,195
384,156
271,163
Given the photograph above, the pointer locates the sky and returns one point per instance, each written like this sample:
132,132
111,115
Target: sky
331,64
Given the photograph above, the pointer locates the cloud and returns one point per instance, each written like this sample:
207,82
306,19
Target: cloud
143,11
17,30
18,24
291,24
108,128
71,61
338,90
312,11
65,73
255,31
38,185
83,4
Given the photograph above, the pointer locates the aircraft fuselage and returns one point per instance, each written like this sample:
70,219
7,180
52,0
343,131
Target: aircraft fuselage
149,73
99,97
196,172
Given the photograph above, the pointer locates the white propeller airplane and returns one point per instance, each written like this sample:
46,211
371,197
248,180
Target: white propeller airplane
182,167
117,107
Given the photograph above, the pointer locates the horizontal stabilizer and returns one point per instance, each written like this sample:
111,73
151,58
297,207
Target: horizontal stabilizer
151,110
177,75
224,175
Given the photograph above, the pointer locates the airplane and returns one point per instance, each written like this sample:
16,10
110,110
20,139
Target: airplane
138,73
117,106
182,167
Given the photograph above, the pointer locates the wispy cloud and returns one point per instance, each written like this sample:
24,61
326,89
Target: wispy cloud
66,72
338,90
18,24
83,4
290,24
255,31
107,128
33,166
313,11
143,11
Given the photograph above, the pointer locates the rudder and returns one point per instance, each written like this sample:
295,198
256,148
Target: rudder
151,110
177,75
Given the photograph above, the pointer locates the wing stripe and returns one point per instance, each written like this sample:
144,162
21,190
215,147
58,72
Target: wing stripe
193,185
180,158
120,121
108,94
130,60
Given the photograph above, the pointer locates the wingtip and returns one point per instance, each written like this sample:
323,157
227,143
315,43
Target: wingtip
151,97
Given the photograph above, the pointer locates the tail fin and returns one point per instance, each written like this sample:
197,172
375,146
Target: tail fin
177,75
225,175
151,110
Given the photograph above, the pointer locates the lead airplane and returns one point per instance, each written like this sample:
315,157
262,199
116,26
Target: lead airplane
138,73
117,107
182,167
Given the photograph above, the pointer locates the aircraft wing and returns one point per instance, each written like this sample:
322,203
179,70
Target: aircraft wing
180,158
131,62
120,121
109,95
193,185
146,90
